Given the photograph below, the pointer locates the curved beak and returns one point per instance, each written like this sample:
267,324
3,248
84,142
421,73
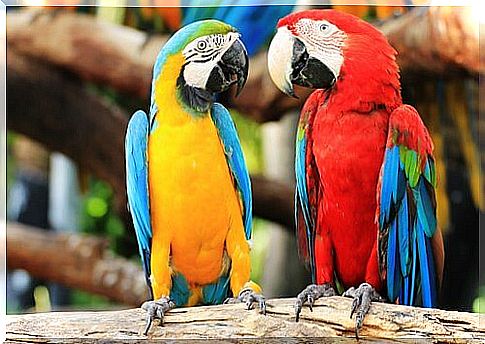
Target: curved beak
290,63
280,56
231,69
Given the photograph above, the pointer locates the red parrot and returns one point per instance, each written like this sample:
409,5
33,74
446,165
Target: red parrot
365,194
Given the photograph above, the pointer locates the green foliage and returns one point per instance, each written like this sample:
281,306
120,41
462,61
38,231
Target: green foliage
260,243
250,136
88,300
98,216
479,303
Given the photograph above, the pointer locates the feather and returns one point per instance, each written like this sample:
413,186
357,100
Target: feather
407,210
393,275
235,160
424,267
137,185
403,226
255,23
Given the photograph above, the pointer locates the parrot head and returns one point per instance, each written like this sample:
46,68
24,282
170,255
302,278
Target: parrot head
210,58
319,48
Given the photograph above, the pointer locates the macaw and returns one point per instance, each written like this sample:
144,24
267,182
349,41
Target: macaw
365,172
188,187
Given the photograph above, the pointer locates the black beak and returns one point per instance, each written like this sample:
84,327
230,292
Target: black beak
308,71
232,68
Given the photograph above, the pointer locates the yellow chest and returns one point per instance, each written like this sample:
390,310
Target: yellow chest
192,196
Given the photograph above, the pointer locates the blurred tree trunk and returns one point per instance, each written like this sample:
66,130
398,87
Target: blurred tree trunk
284,275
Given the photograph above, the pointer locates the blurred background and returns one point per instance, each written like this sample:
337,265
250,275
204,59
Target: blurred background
76,73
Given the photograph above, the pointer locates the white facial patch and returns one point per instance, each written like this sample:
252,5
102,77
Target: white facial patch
202,55
323,41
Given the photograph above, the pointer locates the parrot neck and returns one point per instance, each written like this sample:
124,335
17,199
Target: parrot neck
366,86
169,91
197,101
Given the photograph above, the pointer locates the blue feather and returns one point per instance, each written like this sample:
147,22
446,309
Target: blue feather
235,159
216,293
180,291
302,198
424,267
137,184
403,226
386,188
255,23
410,266
413,270
426,212
393,273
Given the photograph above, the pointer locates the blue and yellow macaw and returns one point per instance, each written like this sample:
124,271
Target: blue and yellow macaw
188,187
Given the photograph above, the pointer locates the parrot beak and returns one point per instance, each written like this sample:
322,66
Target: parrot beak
231,69
280,55
290,63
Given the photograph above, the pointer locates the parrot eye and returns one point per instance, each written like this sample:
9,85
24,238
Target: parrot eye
323,27
201,45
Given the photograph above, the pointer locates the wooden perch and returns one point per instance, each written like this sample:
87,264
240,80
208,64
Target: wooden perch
77,261
55,109
437,39
330,318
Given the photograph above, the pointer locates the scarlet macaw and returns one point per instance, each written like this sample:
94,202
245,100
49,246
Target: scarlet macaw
365,173
188,187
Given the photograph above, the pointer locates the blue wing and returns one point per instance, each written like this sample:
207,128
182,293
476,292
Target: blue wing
407,212
235,159
308,190
255,23
137,185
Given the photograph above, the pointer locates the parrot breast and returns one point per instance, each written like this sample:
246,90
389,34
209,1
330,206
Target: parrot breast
348,149
193,202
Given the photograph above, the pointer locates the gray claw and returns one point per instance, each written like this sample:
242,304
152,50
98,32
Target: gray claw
310,294
156,310
362,298
249,297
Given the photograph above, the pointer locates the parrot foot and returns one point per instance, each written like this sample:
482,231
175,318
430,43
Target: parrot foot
249,297
363,296
310,294
156,309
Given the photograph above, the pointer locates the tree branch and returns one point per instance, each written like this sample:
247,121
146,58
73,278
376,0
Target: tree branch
434,40
55,109
76,261
122,57
330,318
437,40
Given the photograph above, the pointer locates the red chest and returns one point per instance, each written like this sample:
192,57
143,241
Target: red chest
349,150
